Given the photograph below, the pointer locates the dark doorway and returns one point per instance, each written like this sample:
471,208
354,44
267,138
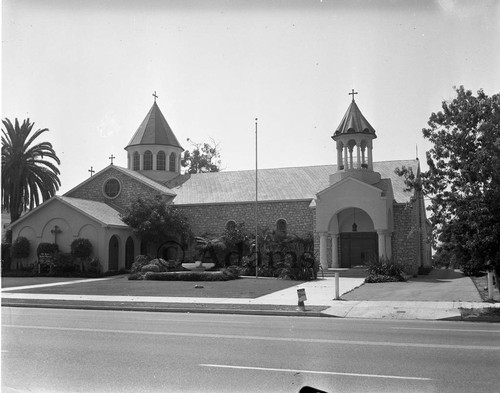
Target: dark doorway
357,248
129,253
113,253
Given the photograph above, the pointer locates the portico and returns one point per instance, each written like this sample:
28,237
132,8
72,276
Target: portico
355,211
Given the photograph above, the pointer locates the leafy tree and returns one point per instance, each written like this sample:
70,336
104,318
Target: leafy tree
81,248
205,157
26,173
463,179
21,248
155,220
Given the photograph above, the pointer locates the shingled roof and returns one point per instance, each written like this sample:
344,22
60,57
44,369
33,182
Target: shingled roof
279,184
99,211
154,130
354,122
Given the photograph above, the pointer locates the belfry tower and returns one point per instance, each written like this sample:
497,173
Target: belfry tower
154,151
354,139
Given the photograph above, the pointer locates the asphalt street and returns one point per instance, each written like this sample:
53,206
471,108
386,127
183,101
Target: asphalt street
48,350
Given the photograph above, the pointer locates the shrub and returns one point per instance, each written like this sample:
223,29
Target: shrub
64,264
81,248
21,248
47,248
424,270
6,260
384,270
139,262
150,268
94,268
135,276
221,275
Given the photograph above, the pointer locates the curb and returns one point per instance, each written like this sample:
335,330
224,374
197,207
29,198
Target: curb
212,309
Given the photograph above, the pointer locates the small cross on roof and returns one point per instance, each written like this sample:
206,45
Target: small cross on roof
352,94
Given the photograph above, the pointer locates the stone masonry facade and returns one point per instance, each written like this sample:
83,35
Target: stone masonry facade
130,190
212,219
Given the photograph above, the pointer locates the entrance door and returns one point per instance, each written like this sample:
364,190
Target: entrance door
113,253
357,247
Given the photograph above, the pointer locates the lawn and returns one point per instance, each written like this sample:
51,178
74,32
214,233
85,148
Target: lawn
121,286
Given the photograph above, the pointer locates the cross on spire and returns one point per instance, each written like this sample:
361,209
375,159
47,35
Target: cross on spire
155,96
91,170
352,94
112,158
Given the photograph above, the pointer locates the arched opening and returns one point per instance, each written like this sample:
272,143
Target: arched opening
113,253
160,161
171,163
281,227
148,160
357,240
136,162
129,253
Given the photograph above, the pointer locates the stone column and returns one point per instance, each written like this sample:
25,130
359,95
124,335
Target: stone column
358,157
381,244
339,156
141,162
351,162
370,158
154,161
335,250
322,250
346,157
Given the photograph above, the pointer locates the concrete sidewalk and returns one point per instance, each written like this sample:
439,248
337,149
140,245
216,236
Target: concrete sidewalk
320,302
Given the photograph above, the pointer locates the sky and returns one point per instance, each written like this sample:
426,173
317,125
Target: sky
86,70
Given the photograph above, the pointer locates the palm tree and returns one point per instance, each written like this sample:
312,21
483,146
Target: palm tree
26,174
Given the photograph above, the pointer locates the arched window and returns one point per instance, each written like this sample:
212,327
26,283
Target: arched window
281,227
160,161
230,225
136,165
171,162
148,160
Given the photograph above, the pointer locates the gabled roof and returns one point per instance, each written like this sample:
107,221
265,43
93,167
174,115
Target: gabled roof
354,122
133,174
98,211
154,130
278,184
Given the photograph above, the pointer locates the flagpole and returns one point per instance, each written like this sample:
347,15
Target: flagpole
256,207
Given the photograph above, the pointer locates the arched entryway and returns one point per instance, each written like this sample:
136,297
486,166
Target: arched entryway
129,253
113,253
354,239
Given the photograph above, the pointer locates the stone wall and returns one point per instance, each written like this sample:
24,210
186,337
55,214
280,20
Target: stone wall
131,189
212,219
405,235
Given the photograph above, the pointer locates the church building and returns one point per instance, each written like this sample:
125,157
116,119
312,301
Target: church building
355,208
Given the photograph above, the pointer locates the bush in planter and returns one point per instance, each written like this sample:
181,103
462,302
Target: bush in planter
221,275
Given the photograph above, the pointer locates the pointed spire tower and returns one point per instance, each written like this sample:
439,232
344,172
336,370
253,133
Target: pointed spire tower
154,150
354,138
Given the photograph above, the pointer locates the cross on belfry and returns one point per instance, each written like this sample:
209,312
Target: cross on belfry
155,96
112,158
352,94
